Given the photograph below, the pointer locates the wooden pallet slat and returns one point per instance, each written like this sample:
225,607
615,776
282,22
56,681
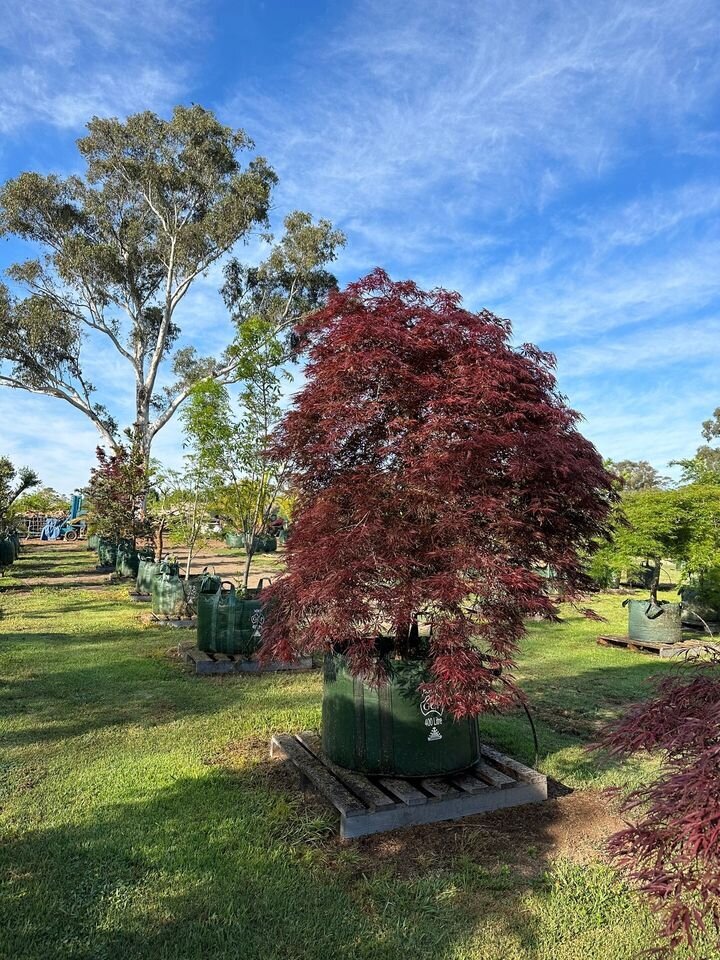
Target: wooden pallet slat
468,783
403,790
492,776
318,774
360,785
512,768
208,662
440,789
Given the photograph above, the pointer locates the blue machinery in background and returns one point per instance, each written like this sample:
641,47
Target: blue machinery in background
66,528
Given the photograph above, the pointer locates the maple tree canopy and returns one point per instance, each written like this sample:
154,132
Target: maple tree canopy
435,466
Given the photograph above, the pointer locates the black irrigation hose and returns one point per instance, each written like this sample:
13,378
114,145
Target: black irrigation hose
534,732
530,720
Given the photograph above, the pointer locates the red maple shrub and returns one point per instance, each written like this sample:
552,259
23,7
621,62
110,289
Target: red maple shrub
672,850
116,495
435,466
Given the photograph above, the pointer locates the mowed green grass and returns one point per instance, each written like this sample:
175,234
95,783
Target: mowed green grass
141,818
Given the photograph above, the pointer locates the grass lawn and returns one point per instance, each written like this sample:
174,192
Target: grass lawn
140,815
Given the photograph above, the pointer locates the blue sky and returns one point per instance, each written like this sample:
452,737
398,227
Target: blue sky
554,161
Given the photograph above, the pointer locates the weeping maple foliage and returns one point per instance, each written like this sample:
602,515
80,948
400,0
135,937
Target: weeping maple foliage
672,850
435,466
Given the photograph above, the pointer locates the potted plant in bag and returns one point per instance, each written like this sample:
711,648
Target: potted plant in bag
117,510
682,525
434,468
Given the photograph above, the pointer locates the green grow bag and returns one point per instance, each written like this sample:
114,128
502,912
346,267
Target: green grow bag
654,622
216,620
148,569
390,731
234,540
92,541
107,552
127,559
701,598
168,594
228,623
264,544
209,585
697,606
7,552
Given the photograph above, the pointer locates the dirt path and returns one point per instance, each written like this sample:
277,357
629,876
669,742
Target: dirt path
44,556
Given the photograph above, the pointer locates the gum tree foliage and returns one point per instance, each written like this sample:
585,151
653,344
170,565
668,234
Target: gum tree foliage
46,500
637,474
14,482
117,494
119,247
434,466
704,467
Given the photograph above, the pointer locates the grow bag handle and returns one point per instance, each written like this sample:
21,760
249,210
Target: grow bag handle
216,603
657,612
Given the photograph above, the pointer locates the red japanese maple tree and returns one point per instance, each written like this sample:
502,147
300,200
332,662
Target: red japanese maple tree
435,466
672,850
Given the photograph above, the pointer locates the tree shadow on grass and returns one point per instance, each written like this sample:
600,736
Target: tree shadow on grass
128,691
239,863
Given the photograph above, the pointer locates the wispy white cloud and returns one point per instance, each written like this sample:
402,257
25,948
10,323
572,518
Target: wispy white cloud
499,104
67,60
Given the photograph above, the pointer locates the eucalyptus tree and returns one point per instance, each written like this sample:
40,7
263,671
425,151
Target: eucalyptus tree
118,249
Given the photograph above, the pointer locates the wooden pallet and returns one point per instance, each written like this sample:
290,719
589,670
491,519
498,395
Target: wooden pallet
684,648
377,804
140,597
152,620
205,663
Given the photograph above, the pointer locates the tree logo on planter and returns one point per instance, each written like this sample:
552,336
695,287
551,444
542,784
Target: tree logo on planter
433,718
257,620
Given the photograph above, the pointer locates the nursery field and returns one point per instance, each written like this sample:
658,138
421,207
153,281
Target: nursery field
141,817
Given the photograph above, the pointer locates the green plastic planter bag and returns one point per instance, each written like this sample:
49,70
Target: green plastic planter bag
168,593
391,730
92,541
127,559
107,552
216,620
234,540
701,598
209,585
7,552
654,622
228,623
148,569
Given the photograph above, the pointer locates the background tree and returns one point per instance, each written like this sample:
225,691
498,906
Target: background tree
13,483
637,475
46,501
116,496
119,248
682,525
233,450
434,467
182,501
266,302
